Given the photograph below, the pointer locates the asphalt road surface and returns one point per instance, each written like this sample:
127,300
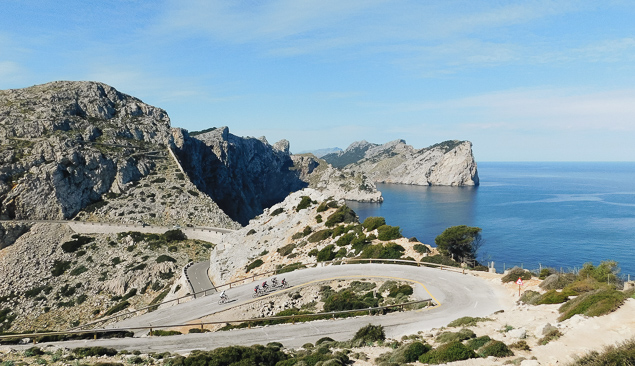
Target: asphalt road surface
197,273
456,294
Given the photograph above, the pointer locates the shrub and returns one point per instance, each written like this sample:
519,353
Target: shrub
59,267
387,232
622,354
520,345
440,259
496,349
117,308
552,297
174,235
414,350
286,250
552,335
318,218
478,342
381,251
370,333
320,235
198,330
449,352
326,254
313,253
342,214
97,351
557,281
38,290
459,336
372,223
421,249
467,321
290,267
165,258
546,272
323,340
251,232
277,211
33,351
515,273
345,239
164,333
326,205
403,289
255,264
594,303
530,297
78,270
347,300
304,203
73,245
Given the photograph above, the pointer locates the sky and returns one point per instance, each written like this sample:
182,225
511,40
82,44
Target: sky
532,80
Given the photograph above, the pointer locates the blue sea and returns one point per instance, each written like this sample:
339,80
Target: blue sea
559,215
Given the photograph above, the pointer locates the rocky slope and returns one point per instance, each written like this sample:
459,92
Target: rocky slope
449,163
293,232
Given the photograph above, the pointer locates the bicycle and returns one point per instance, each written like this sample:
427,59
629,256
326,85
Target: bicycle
223,300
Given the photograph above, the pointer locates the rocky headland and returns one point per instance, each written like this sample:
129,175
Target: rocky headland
449,163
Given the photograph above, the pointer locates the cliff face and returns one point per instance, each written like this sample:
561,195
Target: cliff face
64,144
448,163
242,175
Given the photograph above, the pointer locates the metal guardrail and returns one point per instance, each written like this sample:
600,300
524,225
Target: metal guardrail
293,318
267,274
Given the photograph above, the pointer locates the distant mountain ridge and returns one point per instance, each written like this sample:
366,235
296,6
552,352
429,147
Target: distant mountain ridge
447,163
321,152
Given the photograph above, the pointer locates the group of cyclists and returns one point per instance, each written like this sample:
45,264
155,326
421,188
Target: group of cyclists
259,290
263,289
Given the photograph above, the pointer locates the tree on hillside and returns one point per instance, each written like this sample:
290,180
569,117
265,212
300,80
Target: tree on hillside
459,242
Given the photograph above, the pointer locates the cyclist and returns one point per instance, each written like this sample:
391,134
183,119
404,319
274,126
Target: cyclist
264,285
256,289
284,282
274,282
223,296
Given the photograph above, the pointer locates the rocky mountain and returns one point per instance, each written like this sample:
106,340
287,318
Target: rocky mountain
321,152
448,163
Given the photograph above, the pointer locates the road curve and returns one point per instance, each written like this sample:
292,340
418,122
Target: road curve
457,295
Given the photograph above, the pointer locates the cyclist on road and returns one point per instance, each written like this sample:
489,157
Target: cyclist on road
284,282
256,289
274,282
223,296
264,285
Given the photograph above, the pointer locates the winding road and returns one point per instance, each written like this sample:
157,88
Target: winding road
455,294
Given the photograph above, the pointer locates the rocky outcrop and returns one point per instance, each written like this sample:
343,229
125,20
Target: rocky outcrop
339,184
64,144
450,163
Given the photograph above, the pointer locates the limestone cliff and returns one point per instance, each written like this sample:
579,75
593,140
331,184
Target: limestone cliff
448,163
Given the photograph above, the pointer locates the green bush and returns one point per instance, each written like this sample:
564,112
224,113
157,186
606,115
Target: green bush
326,253
370,333
326,205
347,300
33,351
286,250
387,232
440,259
277,211
449,352
78,242
478,342
383,251
6,319
96,351
117,308
164,333
403,289
530,297
318,218
520,345
557,281
78,270
551,336
313,253
59,267
165,258
621,354
251,232
421,249
552,297
38,290
467,321
546,272
414,350
174,235
342,214
496,349
515,273
594,303
345,239
304,203
372,223
320,235
459,336
255,264
290,267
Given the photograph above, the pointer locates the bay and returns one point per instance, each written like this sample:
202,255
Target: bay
559,215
